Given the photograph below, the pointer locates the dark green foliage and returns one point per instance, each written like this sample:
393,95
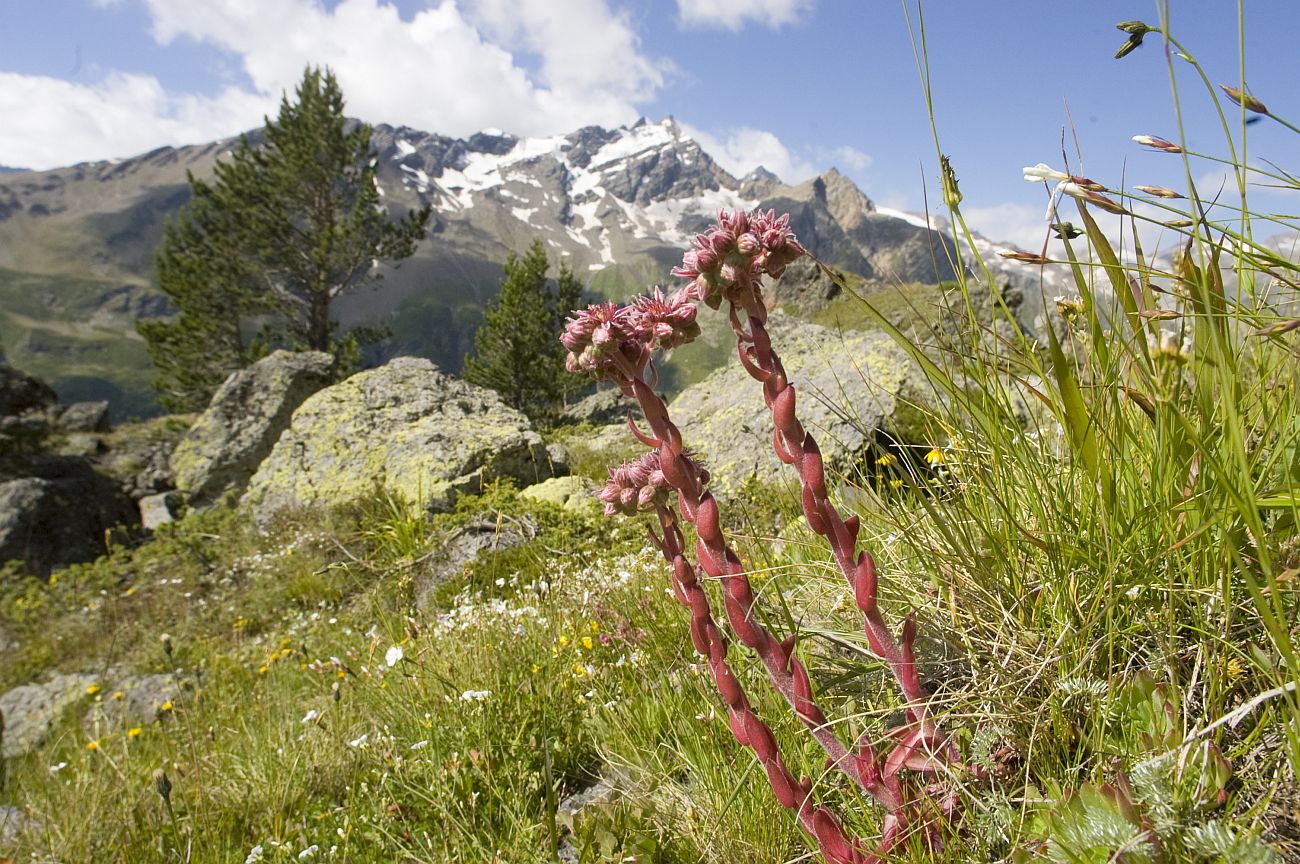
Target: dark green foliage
284,228
517,351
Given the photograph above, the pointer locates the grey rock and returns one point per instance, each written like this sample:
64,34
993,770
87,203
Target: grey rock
460,549
84,417
568,811
159,509
81,444
407,428
59,515
247,415
847,390
139,456
557,457
140,703
603,406
31,710
21,393
14,823
803,288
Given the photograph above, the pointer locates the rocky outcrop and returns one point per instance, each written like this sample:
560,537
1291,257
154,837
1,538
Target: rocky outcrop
59,513
848,389
84,417
31,710
247,415
603,406
406,428
21,393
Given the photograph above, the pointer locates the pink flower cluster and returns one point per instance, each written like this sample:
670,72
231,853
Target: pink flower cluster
639,486
616,341
725,263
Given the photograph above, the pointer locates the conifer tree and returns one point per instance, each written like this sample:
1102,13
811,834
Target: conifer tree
284,228
517,351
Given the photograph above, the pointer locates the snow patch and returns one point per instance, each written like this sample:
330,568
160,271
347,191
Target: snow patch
909,218
523,214
404,148
633,141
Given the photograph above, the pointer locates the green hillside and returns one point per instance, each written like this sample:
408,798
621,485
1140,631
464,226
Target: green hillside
78,334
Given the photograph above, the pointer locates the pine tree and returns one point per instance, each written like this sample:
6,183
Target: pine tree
207,281
283,229
517,351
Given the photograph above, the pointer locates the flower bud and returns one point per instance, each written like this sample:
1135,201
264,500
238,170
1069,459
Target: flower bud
1157,143
951,192
1133,27
1158,191
1245,100
1130,45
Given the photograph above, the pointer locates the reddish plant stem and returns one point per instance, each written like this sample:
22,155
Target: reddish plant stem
920,746
786,672
747,727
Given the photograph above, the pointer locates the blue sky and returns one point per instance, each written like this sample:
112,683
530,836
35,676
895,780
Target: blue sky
796,85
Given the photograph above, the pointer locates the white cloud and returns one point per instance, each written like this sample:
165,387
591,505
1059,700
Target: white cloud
1021,225
850,159
734,14
53,122
742,150
448,69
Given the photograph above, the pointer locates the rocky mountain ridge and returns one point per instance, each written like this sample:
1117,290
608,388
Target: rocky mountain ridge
77,243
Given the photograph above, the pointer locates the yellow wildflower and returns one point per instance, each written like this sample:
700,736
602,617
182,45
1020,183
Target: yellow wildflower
563,640
887,460
588,643
261,670
118,695
166,706
934,457
134,732
92,745
92,689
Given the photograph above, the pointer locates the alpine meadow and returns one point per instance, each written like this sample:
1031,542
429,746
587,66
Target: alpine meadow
370,494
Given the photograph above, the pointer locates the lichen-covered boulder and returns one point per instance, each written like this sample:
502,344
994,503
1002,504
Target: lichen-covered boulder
31,710
572,493
406,428
848,388
242,423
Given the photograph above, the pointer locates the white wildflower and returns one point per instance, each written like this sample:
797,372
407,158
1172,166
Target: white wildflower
393,656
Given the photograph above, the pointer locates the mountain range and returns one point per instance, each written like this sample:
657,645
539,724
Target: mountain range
77,243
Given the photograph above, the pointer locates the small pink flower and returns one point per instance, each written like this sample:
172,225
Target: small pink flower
595,335
669,320
639,485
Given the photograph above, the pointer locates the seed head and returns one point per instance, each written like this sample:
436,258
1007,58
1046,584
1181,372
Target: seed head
1244,99
162,784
